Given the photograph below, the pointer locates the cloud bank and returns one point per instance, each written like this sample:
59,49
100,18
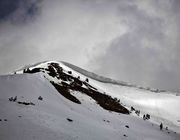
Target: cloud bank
134,41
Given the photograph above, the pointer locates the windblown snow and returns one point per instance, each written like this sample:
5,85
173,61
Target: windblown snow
34,107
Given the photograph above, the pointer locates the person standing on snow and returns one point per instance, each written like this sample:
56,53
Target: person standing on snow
161,126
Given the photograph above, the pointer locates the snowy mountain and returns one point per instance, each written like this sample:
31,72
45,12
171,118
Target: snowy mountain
57,100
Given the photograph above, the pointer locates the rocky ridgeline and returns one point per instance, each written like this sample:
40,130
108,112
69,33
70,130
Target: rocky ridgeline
68,82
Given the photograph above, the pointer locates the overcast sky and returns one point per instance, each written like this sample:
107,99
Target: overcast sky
136,41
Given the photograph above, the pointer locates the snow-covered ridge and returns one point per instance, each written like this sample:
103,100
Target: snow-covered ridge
51,100
151,103
56,118
147,101
107,80
93,76
64,80
97,77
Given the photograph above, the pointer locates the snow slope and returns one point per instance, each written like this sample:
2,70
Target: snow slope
56,117
162,106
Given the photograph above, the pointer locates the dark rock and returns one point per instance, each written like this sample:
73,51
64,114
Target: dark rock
70,72
125,135
137,112
69,120
40,98
147,116
106,121
13,99
25,103
132,108
87,80
64,91
127,126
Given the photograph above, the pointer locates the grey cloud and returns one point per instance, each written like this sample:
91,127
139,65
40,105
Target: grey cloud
13,58
7,7
146,55
64,30
19,11
135,41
